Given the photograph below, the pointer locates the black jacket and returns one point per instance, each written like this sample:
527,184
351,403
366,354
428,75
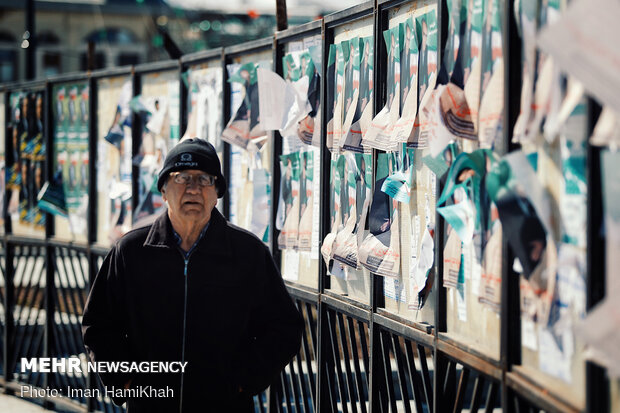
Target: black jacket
241,326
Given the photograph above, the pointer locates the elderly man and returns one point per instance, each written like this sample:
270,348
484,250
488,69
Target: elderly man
191,288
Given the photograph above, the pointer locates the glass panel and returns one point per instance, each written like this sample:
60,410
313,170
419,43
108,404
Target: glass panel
350,89
158,109
250,160
71,120
113,158
25,162
298,210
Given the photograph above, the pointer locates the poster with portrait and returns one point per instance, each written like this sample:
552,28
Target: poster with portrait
492,81
362,116
306,200
306,130
356,194
114,163
408,88
379,134
339,214
526,15
158,112
351,93
204,105
244,126
426,31
25,161
380,250
457,19
71,148
290,200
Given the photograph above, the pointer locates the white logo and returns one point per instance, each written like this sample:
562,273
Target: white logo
186,157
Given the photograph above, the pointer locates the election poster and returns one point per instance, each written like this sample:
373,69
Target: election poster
157,107
25,161
114,163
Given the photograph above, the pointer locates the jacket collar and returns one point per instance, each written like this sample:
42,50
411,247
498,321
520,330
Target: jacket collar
215,240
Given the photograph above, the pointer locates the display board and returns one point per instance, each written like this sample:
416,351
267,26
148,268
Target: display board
204,105
401,130
158,109
114,163
473,59
250,159
25,161
71,123
297,216
349,99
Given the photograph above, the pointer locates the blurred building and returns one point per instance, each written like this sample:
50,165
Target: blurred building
129,32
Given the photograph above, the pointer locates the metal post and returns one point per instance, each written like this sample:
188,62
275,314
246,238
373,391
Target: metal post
226,150
91,379
136,141
597,384
510,312
322,389
281,18
30,38
9,322
276,151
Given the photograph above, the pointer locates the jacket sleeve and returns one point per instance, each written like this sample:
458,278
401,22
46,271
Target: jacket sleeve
276,331
104,323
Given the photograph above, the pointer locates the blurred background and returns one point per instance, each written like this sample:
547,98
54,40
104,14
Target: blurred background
55,34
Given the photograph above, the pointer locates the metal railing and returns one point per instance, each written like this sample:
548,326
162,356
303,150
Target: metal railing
355,356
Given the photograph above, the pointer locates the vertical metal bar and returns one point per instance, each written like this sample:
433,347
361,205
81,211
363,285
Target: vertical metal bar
352,336
7,117
50,150
336,357
510,317
414,377
440,291
295,383
449,383
309,356
476,398
375,381
462,389
50,291
287,392
323,388
306,391
183,100
440,364
387,366
31,62
93,120
226,146
276,150
347,361
400,370
491,397
597,384
9,322
364,347
93,204
136,141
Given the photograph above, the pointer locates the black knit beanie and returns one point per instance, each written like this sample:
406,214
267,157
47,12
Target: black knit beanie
193,154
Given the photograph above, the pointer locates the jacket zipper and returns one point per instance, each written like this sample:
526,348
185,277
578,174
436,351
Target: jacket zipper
186,260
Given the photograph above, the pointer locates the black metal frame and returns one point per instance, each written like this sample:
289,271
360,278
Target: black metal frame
355,356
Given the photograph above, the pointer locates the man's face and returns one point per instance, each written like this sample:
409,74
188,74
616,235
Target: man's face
192,201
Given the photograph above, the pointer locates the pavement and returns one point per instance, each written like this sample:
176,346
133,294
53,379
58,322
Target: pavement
14,404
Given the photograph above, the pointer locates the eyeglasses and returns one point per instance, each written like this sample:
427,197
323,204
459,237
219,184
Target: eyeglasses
185,178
